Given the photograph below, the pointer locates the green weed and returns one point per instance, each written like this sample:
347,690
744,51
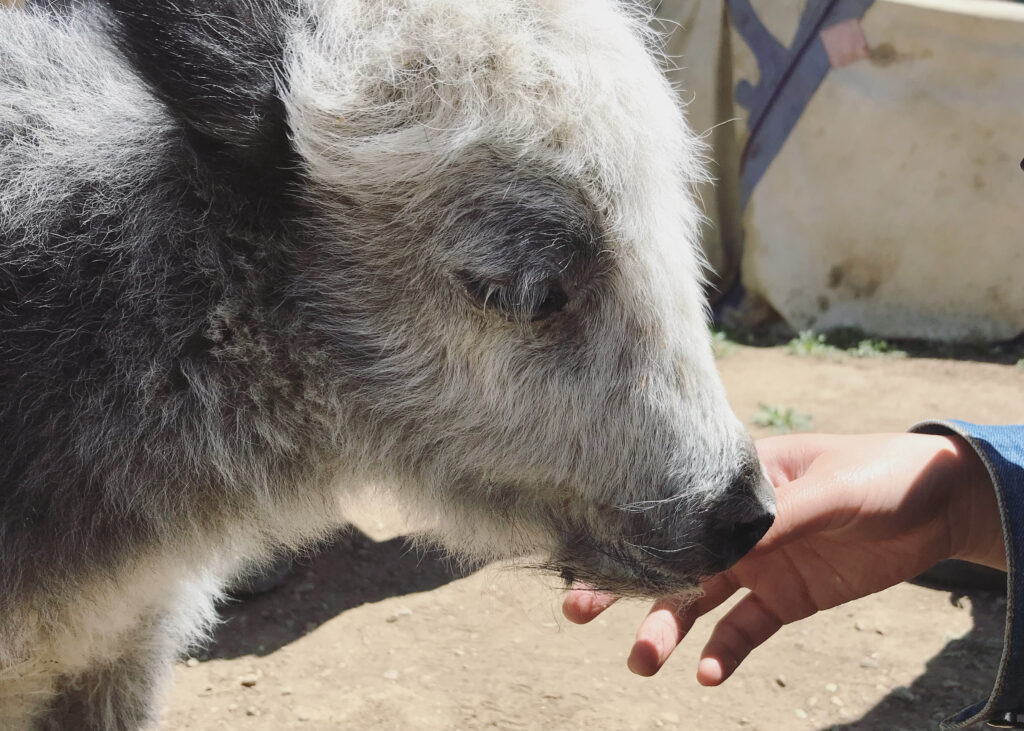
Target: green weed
809,343
721,344
875,349
782,418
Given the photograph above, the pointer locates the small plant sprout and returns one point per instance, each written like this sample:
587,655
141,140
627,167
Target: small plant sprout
782,419
809,343
721,344
875,349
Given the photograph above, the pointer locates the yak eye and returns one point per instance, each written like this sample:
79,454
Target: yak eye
554,300
517,300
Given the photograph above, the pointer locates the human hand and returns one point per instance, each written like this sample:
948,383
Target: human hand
856,514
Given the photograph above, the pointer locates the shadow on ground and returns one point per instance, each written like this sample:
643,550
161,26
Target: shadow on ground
356,570
776,335
352,571
960,675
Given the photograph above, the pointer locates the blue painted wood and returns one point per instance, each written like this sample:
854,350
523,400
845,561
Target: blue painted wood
789,77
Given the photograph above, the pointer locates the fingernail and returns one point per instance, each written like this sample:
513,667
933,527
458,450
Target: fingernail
710,671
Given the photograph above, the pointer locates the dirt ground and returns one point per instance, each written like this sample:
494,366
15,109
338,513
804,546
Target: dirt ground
368,635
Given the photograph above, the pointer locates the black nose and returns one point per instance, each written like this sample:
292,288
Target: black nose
748,509
746,534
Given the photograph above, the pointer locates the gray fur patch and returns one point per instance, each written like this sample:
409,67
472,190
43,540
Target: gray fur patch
445,246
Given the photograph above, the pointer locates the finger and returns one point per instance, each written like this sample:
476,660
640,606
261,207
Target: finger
582,604
747,625
786,458
662,629
670,620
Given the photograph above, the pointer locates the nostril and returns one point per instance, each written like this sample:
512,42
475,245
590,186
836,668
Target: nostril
746,534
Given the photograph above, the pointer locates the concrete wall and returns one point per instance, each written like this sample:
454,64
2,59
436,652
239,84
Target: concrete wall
897,202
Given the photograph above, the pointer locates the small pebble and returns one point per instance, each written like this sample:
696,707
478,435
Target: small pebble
836,700
191,662
780,681
391,675
248,680
669,717
801,713
859,626
252,711
869,662
286,691
831,687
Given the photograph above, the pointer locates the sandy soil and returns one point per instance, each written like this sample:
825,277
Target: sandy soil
368,635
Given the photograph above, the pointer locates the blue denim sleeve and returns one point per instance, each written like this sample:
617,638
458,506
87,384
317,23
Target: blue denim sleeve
1001,448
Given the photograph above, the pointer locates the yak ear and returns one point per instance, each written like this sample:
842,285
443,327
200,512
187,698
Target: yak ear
217,66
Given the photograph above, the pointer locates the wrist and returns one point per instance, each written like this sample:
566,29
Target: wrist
974,517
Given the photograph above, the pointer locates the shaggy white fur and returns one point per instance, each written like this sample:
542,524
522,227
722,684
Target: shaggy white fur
254,255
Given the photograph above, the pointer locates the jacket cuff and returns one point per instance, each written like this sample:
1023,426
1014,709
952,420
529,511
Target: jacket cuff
1001,449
